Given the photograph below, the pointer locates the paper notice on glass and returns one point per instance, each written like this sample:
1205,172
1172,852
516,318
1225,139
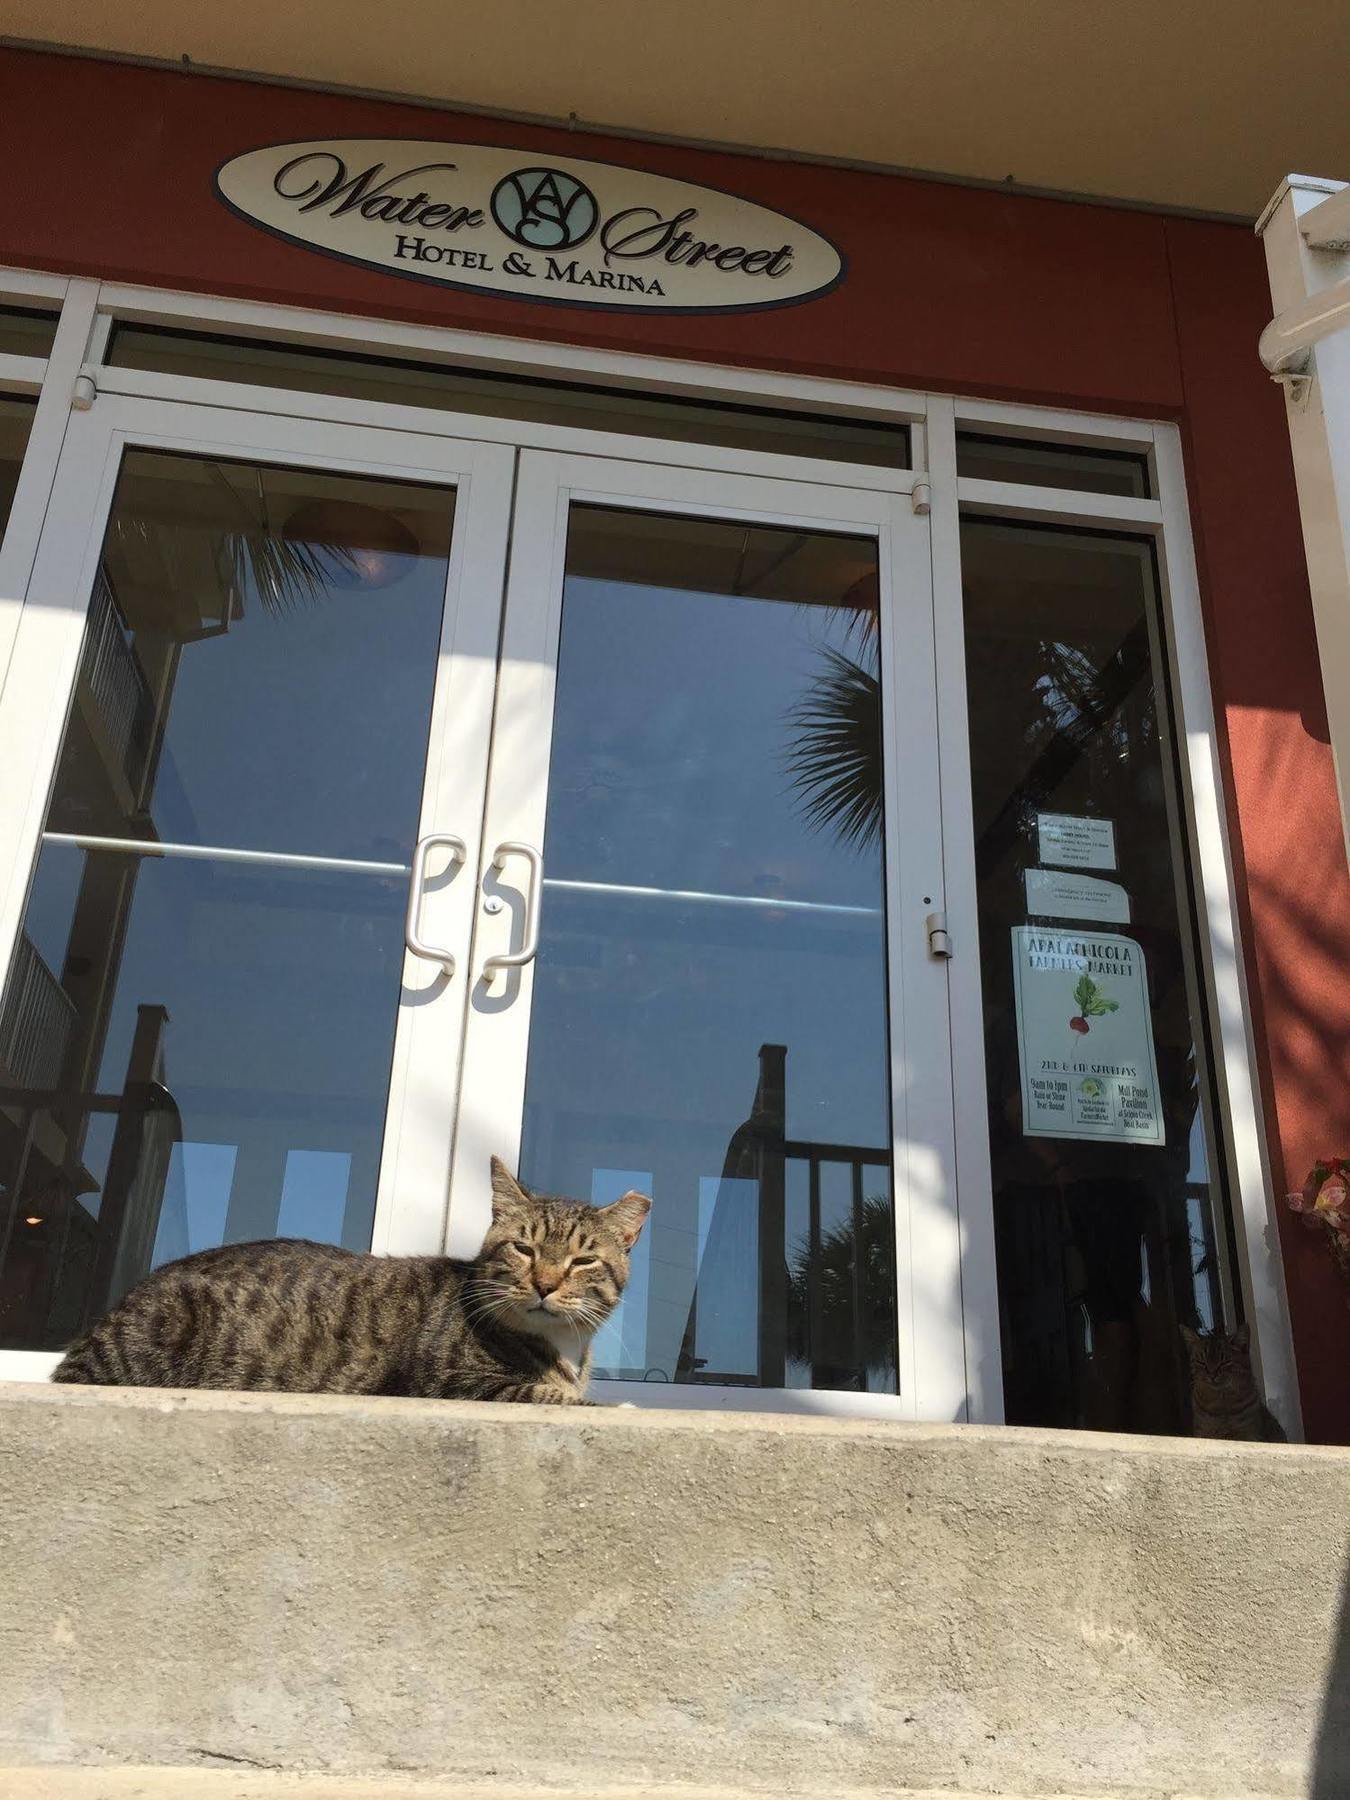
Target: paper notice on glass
1085,1037
1057,894
1076,843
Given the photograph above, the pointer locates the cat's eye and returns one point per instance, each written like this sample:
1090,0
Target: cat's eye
524,1248
585,1262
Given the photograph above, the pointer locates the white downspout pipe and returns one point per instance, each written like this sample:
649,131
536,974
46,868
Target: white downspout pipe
1306,347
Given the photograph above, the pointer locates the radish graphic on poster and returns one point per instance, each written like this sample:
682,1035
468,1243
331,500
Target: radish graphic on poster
1085,1037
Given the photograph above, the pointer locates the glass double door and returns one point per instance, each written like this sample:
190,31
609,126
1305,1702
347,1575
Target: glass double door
335,859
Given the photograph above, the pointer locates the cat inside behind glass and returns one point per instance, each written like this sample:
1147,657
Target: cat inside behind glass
515,1323
1225,1400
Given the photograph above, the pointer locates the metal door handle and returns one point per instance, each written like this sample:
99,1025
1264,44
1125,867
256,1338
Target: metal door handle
516,959
413,924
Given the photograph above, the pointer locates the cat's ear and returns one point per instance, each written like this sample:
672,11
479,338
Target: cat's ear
627,1215
1242,1337
506,1190
1192,1338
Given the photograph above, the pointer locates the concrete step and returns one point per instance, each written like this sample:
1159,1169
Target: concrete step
575,1599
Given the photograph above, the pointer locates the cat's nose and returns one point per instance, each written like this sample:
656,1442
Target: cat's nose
544,1284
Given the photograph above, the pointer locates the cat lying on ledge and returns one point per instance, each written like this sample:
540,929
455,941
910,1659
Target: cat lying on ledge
516,1323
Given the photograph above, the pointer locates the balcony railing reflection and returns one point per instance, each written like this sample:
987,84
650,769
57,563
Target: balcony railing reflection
122,704
826,1302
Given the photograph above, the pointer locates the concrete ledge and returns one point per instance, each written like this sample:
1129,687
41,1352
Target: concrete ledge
200,1784
575,1601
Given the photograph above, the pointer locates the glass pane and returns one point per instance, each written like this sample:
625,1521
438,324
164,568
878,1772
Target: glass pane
709,1018
1069,466
26,331
496,396
1111,1222
16,421
196,1053
196,1050
260,659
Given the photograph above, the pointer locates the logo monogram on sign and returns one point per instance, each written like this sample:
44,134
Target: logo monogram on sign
544,209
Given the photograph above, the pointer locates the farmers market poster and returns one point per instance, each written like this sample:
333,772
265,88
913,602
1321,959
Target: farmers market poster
1085,1037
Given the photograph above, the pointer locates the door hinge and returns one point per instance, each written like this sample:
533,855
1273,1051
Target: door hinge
85,391
939,938
921,498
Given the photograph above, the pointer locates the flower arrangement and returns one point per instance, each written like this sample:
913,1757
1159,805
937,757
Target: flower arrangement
1324,1203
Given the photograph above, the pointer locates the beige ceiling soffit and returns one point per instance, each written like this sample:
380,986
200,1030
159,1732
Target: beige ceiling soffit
603,128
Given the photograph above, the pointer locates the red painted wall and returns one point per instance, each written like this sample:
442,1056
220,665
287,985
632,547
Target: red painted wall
1282,787
109,173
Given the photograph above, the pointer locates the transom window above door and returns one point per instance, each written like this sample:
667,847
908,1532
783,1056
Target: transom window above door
464,389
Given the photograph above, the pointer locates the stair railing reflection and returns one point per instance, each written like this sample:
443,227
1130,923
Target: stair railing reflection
806,1314
96,1257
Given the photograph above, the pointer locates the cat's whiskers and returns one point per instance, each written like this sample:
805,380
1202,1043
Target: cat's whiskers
581,1314
490,1305
591,1316
490,1310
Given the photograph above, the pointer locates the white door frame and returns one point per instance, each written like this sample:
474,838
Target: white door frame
932,1354
35,697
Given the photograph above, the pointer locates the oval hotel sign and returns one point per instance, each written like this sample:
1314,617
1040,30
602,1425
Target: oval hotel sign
528,226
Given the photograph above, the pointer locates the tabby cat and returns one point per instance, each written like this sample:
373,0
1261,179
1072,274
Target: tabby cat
1224,1400
514,1324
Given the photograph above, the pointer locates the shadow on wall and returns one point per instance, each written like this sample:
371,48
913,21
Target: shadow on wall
1300,899
1330,1778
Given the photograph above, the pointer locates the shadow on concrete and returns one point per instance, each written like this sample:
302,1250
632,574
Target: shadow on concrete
1330,1776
